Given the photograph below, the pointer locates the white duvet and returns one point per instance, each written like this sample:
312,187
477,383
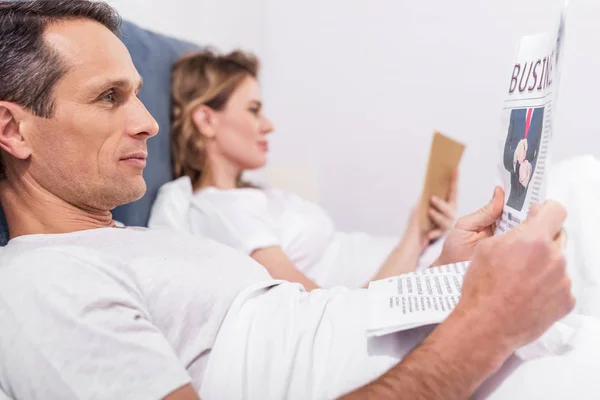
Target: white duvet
287,344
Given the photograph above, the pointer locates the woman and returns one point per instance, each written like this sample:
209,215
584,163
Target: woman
219,131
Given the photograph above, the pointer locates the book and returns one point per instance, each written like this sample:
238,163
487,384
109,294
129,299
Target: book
444,157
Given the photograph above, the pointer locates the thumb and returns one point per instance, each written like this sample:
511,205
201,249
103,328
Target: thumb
534,210
485,216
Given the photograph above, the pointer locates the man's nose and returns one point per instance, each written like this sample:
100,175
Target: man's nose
142,122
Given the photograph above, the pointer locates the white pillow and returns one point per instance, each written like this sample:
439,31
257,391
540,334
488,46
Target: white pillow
171,207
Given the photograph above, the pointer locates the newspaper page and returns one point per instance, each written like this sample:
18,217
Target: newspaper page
527,121
427,297
416,299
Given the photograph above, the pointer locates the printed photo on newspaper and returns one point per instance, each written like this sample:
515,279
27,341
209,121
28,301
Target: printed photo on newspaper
427,297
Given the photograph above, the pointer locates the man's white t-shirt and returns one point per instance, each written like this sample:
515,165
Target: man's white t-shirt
113,313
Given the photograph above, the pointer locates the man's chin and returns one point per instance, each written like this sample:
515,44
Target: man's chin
130,192
138,191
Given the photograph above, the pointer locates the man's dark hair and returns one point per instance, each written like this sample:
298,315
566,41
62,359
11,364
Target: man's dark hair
29,68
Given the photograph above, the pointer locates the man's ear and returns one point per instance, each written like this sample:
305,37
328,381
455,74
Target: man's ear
12,140
206,120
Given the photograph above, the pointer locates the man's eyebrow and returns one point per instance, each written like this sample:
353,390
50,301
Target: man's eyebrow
124,84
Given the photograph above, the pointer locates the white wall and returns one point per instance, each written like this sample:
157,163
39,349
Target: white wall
356,88
226,24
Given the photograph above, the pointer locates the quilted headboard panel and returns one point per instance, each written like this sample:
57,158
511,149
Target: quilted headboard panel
153,55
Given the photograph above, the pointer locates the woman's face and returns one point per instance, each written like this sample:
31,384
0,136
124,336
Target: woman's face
242,128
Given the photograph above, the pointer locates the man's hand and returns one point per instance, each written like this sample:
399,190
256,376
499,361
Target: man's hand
470,230
519,279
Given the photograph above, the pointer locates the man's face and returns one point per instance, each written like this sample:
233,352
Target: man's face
92,152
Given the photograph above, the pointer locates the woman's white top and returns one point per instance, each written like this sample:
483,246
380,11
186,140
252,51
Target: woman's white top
249,219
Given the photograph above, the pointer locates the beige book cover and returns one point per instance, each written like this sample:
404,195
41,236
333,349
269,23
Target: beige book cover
444,158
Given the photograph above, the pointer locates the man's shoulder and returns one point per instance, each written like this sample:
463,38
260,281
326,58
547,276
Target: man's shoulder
44,264
58,261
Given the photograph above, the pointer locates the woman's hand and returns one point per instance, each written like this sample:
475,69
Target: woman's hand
414,233
442,213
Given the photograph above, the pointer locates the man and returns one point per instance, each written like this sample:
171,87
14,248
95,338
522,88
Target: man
89,310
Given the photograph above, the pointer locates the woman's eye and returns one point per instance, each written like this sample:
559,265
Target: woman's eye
254,111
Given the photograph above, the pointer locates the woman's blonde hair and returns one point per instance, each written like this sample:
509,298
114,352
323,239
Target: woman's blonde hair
202,78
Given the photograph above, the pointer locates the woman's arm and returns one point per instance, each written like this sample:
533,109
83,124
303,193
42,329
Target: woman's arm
402,259
279,266
405,257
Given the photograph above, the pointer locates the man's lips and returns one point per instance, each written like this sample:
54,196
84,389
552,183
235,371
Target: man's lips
136,159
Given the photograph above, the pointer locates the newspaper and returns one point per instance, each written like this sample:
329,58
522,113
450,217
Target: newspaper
528,121
428,296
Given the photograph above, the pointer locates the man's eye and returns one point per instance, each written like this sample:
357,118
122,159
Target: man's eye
109,97
255,111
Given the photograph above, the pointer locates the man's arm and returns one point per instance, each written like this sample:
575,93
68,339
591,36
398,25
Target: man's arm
501,309
451,363
85,332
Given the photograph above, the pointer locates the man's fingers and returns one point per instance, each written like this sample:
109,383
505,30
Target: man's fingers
550,217
561,240
534,210
485,216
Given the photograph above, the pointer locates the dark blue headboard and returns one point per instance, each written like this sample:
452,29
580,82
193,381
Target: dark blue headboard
3,229
153,55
